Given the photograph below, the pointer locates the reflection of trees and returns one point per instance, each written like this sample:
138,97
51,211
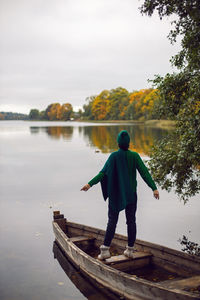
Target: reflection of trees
104,137
55,132
34,130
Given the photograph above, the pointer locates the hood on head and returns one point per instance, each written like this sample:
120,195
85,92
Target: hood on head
123,139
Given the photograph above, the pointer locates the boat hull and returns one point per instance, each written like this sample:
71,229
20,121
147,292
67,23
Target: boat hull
118,282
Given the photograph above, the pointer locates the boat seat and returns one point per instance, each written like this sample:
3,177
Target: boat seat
124,263
122,258
77,239
184,284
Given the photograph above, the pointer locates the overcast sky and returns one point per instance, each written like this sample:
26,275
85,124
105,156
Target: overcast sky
67,50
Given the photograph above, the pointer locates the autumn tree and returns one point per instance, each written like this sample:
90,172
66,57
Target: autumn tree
135,110
101,106
53,112
119,99
1,116
175,161
119,104
149,104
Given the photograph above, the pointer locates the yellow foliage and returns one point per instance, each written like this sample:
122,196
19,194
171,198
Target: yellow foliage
104,138
59,112
101,105
143,101
55,112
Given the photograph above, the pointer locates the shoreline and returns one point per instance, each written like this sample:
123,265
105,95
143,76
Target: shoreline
149,123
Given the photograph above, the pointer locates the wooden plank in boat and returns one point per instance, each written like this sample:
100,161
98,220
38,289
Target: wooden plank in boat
125,264
81,239
184,284
122,258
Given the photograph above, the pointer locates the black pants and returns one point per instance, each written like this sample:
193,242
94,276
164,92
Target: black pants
113,216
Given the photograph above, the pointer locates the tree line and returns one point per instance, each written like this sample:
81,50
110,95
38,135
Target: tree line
114,104
119,104
53,112
13,116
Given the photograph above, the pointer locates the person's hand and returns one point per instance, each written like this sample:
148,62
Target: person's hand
156,194
85,187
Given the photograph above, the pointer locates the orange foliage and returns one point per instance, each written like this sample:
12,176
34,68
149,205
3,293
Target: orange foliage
1,116
101,105
119,104
143,102
55,112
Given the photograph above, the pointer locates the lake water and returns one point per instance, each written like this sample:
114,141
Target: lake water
43,166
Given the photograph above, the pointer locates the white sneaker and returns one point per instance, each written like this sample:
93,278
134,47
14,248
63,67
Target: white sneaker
105,253
129,252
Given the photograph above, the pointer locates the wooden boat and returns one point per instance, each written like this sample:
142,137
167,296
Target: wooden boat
88,289
156,272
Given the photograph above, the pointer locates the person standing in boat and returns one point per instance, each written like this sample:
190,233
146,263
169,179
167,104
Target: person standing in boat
119,185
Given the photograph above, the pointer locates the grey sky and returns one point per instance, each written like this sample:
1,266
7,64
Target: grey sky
66,50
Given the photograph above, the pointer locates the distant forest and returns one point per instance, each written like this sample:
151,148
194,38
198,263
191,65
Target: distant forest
13,116
54,112
114,104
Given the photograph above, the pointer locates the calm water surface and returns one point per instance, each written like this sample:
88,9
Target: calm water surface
43,165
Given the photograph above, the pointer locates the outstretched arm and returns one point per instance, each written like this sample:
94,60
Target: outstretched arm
85,187
156,194
146,176
94,180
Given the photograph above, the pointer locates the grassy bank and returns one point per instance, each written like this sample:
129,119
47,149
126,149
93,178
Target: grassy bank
150,123
160,123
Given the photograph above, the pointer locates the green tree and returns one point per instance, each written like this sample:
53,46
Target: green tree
176,160
42,115
87,114
186,25
34,114
66,111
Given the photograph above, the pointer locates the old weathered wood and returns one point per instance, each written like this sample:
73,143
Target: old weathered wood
60,220
186,283
56,212
110,275
56,217
123,263
122,258
81,239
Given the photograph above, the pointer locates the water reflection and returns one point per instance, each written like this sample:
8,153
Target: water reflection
104,137
39,171
55,132
84,286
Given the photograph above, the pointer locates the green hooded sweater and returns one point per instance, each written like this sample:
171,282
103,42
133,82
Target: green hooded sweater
118,178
